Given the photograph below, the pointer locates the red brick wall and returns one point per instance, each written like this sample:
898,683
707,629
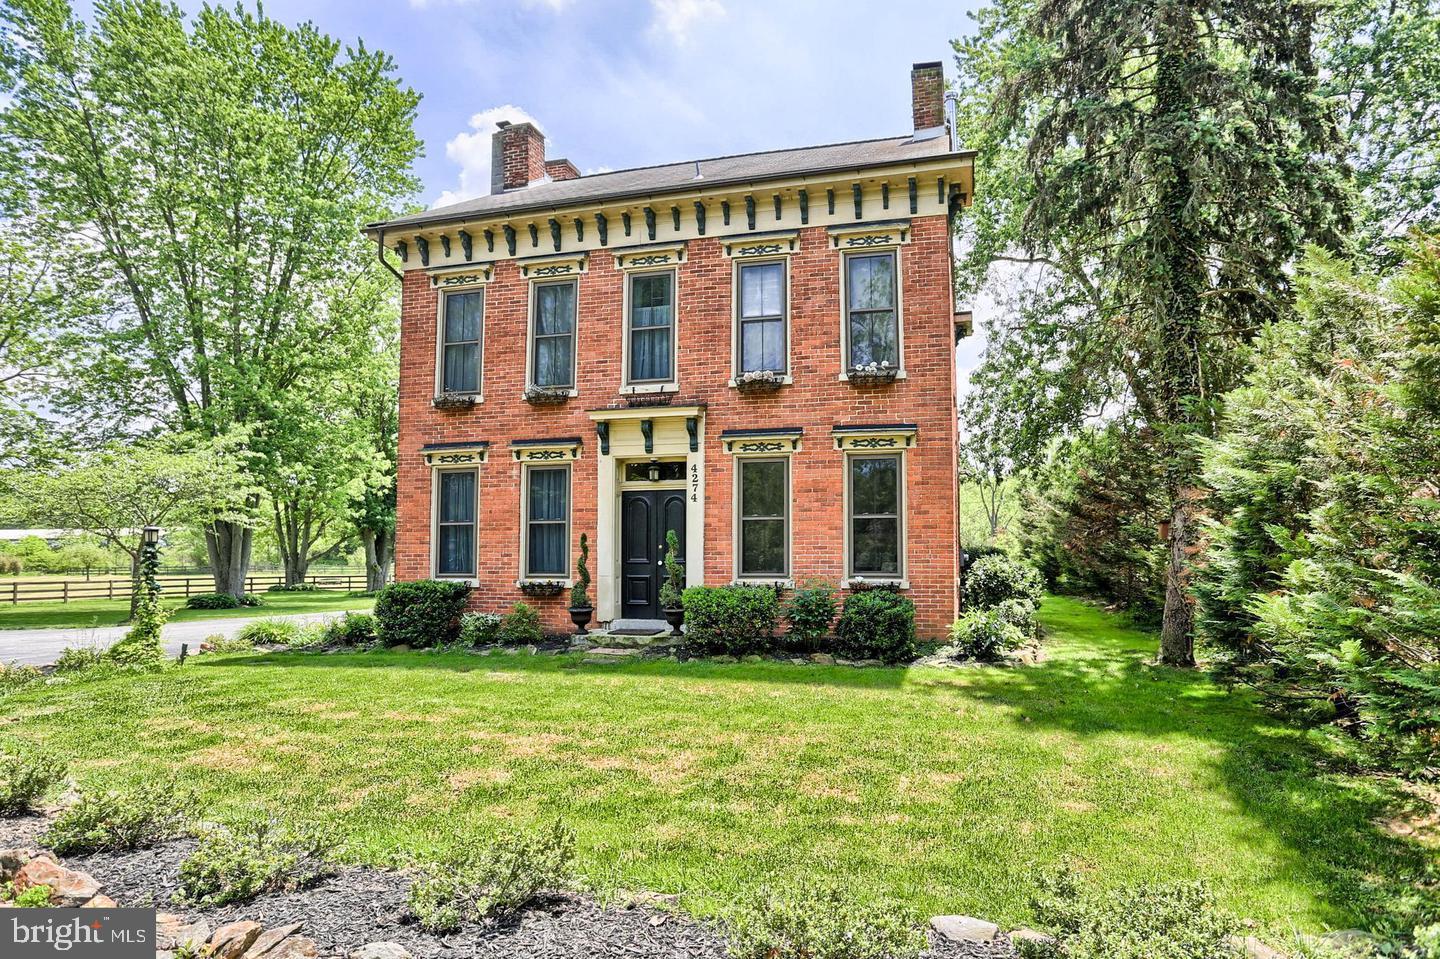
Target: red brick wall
816,401
927,95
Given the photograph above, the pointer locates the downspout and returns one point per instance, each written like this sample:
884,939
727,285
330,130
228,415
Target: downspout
380,255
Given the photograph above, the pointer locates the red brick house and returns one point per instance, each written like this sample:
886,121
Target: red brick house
756,351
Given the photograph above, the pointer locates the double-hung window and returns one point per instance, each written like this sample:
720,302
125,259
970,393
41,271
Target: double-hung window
762,317
552,360
764,518
460,342
652,327
872,328
547,521
455,523
876,501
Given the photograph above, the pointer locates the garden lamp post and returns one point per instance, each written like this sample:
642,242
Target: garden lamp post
150,560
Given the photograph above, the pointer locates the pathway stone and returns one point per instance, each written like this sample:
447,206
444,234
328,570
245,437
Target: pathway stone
964,928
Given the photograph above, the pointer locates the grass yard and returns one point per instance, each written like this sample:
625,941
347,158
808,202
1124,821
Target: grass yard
87,613
941,788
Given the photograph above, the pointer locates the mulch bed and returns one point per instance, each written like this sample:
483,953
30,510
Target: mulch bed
361,905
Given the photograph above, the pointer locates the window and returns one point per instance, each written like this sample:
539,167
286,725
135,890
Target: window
762,317
764,508
652,327
455,524
460,342
669,471
553,328
547,521
871,328
875,509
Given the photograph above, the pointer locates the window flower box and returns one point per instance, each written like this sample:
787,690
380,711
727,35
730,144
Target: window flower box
759,381
542,587
859,584
455,401
547,395
873,374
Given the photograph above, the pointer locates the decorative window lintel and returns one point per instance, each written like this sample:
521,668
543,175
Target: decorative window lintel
756,245
886,438
561,450
645,257
544,267
455,454
457,279
862,236
762,441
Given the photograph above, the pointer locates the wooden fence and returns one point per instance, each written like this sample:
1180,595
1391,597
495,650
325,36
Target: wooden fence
38,591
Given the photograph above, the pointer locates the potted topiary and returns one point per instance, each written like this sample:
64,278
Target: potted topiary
673,589
580,608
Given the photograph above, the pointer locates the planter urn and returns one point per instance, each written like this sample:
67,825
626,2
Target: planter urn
580,616
675,616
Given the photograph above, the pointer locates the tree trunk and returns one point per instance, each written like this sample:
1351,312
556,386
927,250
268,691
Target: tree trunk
134,583
228,546
379,545
1177,642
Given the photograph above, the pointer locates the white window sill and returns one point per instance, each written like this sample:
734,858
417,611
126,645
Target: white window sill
868,581
764,581
637,388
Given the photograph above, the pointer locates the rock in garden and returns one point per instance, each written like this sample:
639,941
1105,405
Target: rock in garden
1029,935
822,659
265,943
296,947
381,950
964,929
11,860
68,888
869,663
99,902
172,932
1253,948
230,941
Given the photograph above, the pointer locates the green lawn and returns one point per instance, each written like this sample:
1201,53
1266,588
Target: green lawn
942,788
102,612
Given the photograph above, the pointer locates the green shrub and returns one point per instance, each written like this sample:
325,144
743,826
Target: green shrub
78,659
268,632
984,634
352,629
140,647
811,613
672,591
877,624
119,820
821,920
220,643
36,897
421,613
24,778
16,676
1138,921
11,565
1020,613
520,626
262,856
480,629
297,588
730,620
482,881
580,591
993,579
222,601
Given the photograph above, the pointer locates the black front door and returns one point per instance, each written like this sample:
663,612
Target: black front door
645,517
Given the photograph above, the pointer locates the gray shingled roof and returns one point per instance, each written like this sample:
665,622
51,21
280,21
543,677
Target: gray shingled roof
677,177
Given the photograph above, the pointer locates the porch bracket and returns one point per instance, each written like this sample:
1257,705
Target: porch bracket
647,430
602,430
692,426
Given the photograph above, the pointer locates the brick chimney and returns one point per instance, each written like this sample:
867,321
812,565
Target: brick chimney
561,170
517,156
927,95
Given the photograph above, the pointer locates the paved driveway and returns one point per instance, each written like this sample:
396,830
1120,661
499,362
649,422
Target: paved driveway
41,646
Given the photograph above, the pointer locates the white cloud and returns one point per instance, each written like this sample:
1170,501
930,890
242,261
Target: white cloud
471,151
674,18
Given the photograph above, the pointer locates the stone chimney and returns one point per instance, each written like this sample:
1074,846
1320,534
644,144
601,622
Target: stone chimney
927,95
561,170
517,156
